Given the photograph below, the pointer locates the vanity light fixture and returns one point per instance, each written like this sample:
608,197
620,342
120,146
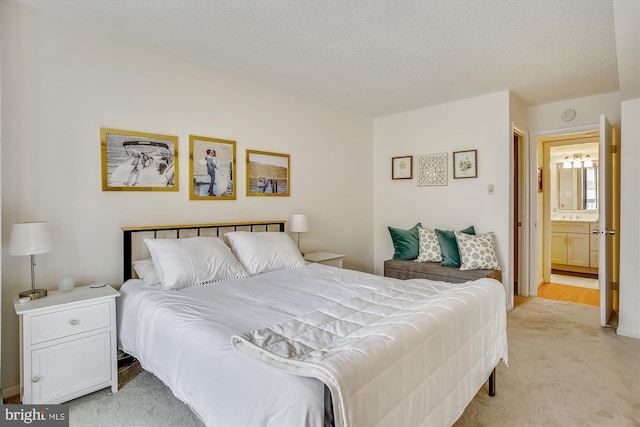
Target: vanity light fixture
577,163
567,163
588,163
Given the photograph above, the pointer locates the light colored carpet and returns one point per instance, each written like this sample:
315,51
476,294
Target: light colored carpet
564,371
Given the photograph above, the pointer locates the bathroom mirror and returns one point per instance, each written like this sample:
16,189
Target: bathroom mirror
577,188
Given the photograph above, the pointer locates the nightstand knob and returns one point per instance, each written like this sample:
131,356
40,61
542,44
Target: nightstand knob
35,379
74,322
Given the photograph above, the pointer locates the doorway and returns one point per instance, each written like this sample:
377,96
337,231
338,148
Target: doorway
519,213
579,209
569,264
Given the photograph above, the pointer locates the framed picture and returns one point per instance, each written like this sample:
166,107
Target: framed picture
465,164
267,174
137,161
539,179
212,168
402,167
432,169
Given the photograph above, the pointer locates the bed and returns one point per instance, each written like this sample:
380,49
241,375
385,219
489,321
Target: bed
247,349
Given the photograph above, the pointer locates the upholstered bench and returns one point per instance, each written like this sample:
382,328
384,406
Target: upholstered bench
409,269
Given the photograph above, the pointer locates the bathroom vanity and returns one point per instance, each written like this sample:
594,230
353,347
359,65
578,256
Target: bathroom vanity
573,247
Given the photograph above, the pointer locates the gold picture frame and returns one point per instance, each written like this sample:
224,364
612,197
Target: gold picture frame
138,161
402,167
212,168
268,174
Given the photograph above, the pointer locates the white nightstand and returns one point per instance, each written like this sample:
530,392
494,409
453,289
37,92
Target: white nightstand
67,344
325,258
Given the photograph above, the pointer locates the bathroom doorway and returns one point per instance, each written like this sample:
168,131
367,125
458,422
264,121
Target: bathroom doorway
570,211
603,234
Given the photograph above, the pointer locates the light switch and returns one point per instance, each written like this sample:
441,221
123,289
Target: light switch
491,189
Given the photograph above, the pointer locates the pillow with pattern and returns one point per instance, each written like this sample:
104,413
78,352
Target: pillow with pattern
477,252
429,250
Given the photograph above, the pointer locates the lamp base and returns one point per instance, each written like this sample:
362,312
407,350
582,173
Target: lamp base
34,294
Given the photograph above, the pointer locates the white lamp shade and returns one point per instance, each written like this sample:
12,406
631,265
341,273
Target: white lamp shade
299,223
30,238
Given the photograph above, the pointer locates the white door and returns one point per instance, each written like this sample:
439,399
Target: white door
606,231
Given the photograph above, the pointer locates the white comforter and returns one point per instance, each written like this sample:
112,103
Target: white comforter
404,355
184,338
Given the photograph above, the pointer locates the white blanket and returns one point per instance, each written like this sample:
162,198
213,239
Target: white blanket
184,338
410,353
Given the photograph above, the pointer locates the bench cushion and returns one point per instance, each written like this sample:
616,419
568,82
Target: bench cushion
403,269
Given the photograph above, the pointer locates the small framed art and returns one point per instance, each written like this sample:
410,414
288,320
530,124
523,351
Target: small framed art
402,167
268,174
539,179
465,164
137,161
212,168
432,169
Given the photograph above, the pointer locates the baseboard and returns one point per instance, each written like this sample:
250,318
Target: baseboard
628,333
11,391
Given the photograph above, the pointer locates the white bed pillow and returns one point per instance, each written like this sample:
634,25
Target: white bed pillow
193,261
262,252
146,271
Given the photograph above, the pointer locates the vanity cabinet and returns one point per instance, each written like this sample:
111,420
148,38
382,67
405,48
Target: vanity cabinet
572,248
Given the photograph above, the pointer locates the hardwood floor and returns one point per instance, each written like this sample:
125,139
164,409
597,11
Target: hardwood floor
569,293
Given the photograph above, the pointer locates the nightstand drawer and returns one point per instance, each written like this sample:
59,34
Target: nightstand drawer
69,322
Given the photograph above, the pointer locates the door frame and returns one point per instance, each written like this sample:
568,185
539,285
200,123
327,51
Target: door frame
521,236
539,221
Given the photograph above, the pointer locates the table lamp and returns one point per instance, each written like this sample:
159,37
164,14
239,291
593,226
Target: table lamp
299,224
31,238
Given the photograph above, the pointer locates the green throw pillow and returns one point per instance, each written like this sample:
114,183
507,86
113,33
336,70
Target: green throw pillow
449,246
406,243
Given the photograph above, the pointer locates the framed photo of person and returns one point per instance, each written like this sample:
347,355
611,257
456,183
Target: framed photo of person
138,161
212,168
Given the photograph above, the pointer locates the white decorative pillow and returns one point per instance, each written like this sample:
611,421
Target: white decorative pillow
477,252
193,261
429,250
146,271
265,251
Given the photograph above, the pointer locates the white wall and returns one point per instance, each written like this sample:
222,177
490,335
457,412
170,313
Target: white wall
60,84
629,319
546,117
480,123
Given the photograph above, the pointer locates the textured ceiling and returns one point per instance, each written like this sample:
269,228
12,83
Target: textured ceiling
377,57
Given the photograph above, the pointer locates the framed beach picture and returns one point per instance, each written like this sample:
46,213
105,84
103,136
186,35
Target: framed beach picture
465,164
402,167
212,168
267,174
138,161
432,169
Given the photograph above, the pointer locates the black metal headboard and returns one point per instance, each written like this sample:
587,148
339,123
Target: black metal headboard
128,232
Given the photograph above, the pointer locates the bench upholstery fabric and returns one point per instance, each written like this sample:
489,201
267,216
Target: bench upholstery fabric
408,269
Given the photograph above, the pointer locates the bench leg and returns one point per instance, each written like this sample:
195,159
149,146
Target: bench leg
492,383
